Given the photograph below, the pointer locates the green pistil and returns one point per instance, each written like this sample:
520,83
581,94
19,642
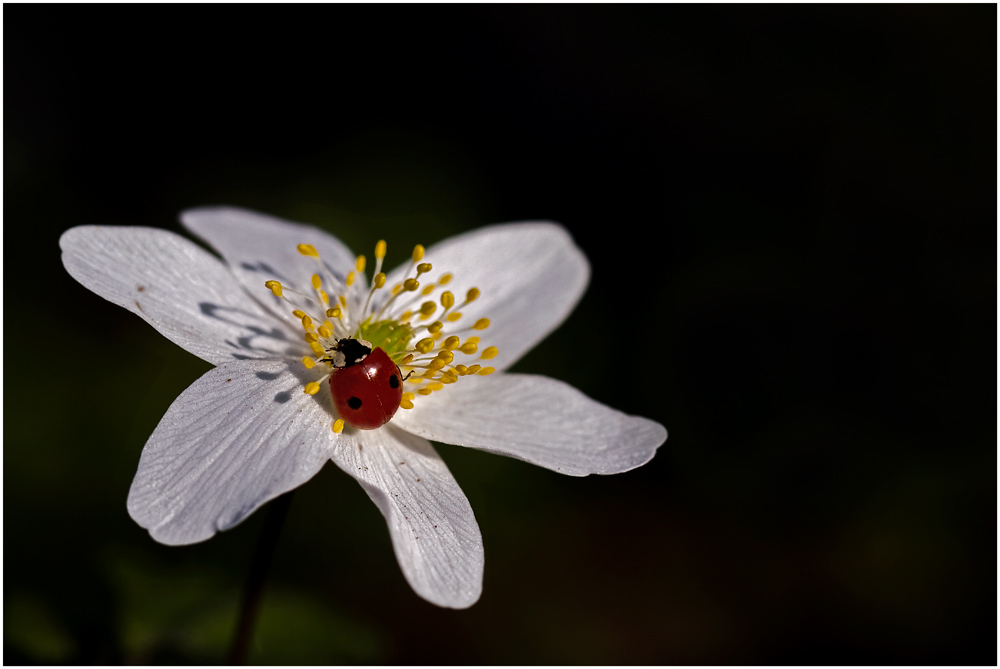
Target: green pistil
391,336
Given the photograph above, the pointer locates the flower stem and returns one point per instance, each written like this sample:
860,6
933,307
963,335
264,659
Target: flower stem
277,510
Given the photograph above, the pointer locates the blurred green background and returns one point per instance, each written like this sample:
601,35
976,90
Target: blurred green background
790,213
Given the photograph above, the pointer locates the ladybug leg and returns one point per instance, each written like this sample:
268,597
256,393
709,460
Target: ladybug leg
408,374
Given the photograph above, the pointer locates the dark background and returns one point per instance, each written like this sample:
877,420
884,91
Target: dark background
790,213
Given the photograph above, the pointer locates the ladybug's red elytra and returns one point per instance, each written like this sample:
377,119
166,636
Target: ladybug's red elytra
366,384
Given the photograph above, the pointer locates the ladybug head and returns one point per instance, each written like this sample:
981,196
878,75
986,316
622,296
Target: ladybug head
347,352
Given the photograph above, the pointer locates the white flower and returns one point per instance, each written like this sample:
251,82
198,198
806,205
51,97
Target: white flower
246,431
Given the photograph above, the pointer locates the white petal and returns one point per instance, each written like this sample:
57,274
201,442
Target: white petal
239,436
535,419
433,529
178,288
530,275
259,248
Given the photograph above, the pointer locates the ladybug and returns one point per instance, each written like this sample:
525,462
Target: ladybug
366,384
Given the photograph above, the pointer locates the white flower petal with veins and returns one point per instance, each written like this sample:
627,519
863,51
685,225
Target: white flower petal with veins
539,420
245,432
182,291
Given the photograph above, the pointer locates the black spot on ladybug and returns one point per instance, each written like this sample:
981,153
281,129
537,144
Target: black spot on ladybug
394,381
354,403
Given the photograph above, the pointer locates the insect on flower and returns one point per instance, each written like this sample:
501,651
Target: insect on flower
418,354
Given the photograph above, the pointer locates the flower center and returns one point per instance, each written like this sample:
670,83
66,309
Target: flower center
400,324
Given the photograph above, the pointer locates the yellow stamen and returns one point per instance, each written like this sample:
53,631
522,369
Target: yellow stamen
350,278
461,369
445,278
308,362
405,404
298,313
274,287
407,359
473,369
434,385
312,387
486,371
311,337
427,308
424,345
450,344
307,323
324,296
428,290
418,253
408,396
316,281
454,316
481,324
359,264
411,285
407,315
472,295
316,348
436,364
338,425
468,348
380,249
342,300
449,377
447,356
333,313
491,352
379,280
395,289
328,325
447,299
424,391
472,340
308,250
324,332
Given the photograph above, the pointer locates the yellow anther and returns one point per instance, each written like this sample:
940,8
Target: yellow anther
407,315
436,364
418,253
379,280
380,249
316,348
307,323
411,285
451,343
472,295
338,425
454,316
311,337
429,374
424,267
447,356
333,313
395,289
350,278
435,327
491,352
424,345
298,313
461,369
274,287
449,377
407,359
308,362
415,379
445,278
468,348
424,391
428,290
342,300
473,369
437,335
311,388
486,371
359,264
434,385
427,308
328,325
408,396
324,332
405,404
472,340
481,324
308,250
324,297
316,281
447,299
